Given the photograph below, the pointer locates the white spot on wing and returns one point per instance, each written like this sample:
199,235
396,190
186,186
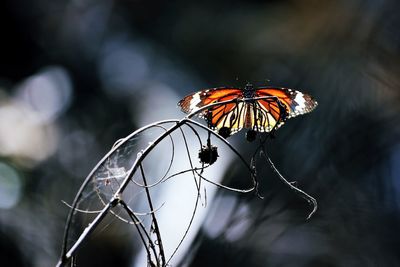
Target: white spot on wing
195,101
301,103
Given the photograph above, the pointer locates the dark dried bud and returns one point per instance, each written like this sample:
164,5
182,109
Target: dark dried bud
251,135
224,132
208,155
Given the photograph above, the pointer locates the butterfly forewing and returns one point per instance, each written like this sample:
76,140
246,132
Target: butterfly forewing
197,100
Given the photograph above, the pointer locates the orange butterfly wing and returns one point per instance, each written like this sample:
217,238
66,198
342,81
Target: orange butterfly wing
205,97
296,102
267,115
227,115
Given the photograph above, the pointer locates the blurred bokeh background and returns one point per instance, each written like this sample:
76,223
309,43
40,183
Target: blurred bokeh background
77,75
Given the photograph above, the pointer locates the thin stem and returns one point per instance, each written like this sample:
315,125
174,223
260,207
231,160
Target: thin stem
297,190
153,215
140,227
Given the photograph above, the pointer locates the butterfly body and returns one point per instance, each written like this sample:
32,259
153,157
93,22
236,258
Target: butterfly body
260,109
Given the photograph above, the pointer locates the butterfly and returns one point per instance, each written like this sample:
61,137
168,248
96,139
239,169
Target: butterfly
257,115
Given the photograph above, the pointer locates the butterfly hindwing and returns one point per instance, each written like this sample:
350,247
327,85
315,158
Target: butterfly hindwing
268,115
232,116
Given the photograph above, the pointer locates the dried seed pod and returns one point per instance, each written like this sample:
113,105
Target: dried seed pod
208,154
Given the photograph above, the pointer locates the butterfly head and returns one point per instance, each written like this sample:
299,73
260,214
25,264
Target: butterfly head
248,91
249,87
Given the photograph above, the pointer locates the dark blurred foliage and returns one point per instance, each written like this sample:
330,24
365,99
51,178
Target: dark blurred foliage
106,64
